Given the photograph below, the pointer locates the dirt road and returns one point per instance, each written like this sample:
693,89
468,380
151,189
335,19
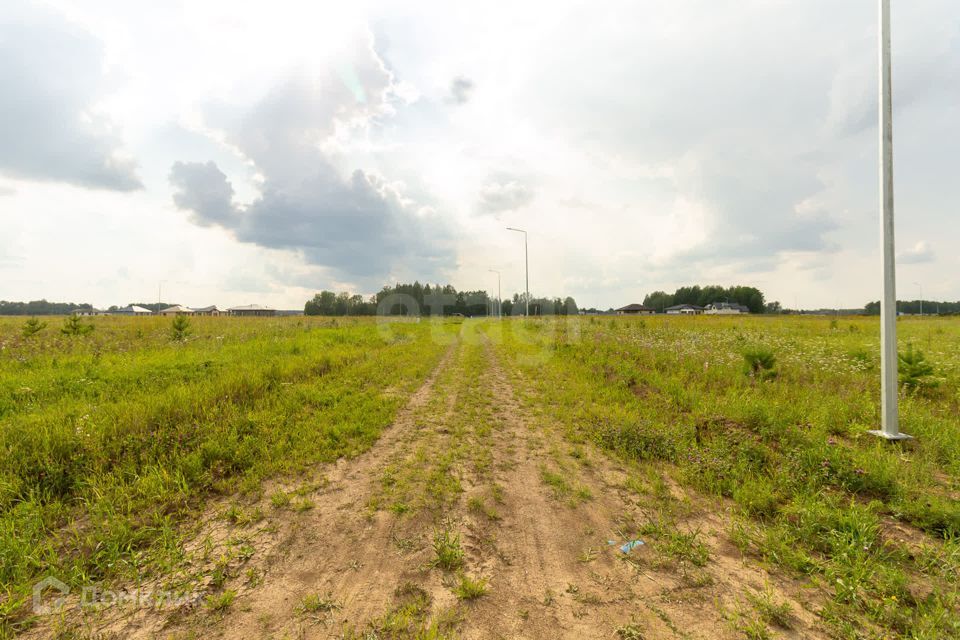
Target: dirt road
471,518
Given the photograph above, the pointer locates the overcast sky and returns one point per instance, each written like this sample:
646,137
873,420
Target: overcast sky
244,151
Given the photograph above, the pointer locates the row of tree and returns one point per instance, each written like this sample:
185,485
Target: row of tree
428,300
39,308
750,297
916,307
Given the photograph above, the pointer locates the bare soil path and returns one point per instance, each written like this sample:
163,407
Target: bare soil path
353,553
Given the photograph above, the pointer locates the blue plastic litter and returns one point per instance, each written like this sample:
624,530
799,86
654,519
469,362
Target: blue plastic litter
630,546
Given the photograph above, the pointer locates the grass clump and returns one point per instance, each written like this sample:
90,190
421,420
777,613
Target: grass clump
470,588
410,618
315,603
631,631
478,506
770,610
280,499
221,601
447,549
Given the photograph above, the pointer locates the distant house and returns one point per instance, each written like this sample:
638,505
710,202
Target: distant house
89,312
726,308
252,310
684,310
635,309
176,310
207,311
133,310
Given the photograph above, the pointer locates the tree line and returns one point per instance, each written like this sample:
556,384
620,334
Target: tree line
428,300
750,297
914,306
40,308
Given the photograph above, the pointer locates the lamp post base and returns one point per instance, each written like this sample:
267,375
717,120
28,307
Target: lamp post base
888,436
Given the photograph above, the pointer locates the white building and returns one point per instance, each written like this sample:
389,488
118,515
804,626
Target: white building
177,310
684,310
726,308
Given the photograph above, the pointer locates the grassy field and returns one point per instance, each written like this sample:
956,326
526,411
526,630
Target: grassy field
113,442
875,525
110,441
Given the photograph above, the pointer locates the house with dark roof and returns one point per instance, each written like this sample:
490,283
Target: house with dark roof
212,310
133,310
635,310
684,310
252,310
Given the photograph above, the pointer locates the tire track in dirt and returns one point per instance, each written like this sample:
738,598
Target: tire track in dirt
556,576
552,572
337,548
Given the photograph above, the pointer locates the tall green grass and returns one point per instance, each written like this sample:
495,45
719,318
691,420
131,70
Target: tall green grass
110,441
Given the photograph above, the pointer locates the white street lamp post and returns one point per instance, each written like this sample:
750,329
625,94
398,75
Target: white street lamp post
499,304
890,428
526,260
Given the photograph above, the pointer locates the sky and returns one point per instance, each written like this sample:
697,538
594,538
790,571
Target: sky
227,153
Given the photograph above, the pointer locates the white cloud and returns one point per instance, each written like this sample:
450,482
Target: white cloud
919,253
643,145
51,75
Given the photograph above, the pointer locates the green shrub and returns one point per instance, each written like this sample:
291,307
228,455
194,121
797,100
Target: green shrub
915,371
73,326
759,363
32,327
180,328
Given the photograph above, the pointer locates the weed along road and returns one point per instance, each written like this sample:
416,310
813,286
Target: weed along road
565,478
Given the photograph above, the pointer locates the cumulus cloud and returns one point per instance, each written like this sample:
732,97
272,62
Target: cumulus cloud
460,90
350,221
51,75
504,193
919,253
204,190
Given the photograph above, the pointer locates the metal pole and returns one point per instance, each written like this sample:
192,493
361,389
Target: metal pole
499,303
888,302
526,260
